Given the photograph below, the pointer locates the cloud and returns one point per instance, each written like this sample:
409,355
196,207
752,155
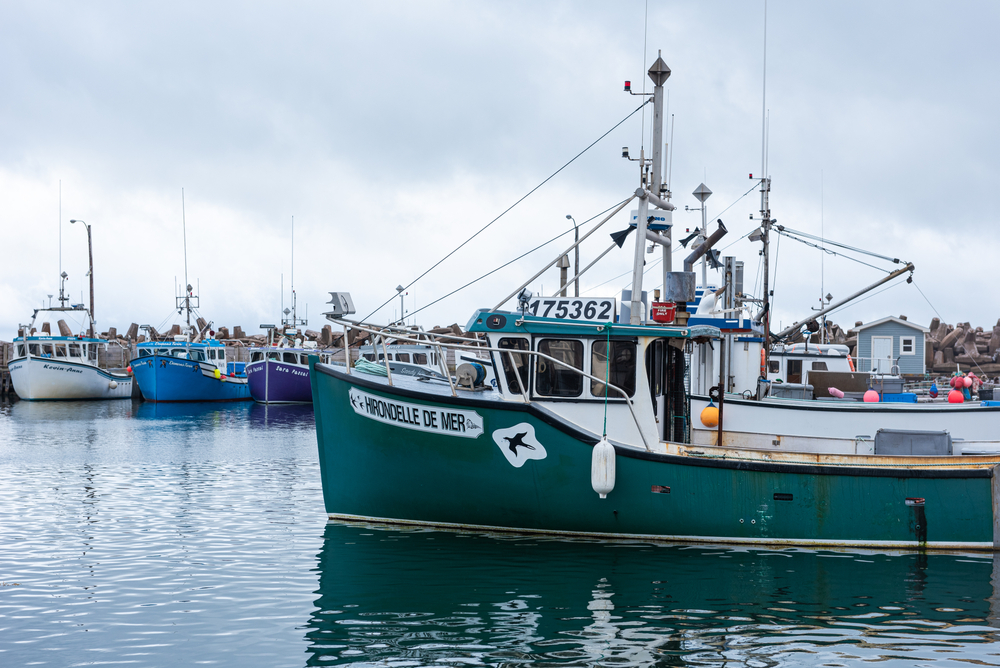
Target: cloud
393,131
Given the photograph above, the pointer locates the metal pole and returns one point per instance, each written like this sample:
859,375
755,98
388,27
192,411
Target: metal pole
722,380
635,311
704,260
576,260
90,252
765,214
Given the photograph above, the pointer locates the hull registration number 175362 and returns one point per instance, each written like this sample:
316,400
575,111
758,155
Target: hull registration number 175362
573,308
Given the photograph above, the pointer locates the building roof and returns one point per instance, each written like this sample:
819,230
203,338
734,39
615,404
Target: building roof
892,318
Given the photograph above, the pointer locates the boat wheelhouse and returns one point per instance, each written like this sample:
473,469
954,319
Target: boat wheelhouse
280,375
66,366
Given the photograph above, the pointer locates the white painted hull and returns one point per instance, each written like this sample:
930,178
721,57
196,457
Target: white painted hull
812,426
38,378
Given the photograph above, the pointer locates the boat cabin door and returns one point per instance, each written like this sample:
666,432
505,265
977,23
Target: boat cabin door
665,370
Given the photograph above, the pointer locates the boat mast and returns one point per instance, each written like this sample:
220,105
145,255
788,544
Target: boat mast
187,286
290,318
658,73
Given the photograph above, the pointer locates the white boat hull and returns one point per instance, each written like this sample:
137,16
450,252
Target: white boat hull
812,426
39,378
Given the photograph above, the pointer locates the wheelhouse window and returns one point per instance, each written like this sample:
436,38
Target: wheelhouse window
420,358
818,366
180,353
145,352
290,358
197,355
773,366
256,357
907,345
47,349
621,372
274,356
91,352
402,357
165,352
794,374
519,365
60,350
74,350
20,350
556,380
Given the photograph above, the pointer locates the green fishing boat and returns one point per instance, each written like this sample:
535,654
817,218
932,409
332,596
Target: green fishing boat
588,432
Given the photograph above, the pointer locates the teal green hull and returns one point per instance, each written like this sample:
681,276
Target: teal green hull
392,472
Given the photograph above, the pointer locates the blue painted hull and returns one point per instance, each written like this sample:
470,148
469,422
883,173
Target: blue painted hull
171,379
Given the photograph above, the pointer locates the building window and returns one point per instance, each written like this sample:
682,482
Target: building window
907,345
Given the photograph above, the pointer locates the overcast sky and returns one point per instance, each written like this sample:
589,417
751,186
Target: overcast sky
392,131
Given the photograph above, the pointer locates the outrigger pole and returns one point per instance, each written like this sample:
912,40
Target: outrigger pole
885,279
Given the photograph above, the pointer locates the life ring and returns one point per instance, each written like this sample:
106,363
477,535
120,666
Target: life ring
763,364
850,363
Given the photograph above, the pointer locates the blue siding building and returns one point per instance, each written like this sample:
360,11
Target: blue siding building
889,342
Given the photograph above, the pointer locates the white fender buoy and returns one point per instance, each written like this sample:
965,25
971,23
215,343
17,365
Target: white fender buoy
602,468
113,384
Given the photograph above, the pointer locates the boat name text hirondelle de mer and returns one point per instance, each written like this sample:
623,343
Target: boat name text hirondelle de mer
455,422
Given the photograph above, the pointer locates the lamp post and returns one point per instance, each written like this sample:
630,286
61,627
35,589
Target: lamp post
90,253
576,257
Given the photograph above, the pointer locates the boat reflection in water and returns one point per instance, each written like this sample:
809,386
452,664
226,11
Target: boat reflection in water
422,597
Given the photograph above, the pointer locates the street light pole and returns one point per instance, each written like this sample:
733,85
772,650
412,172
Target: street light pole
90,253
576,257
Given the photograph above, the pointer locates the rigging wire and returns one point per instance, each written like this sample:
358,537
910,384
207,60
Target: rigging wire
835,253
507,264
526,196
926,300
781,229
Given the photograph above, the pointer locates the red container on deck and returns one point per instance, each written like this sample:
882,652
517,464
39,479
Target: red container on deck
663,311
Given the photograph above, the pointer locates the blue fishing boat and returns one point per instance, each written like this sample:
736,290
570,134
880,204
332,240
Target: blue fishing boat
188,371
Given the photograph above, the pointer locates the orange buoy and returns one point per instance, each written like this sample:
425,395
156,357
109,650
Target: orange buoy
710,416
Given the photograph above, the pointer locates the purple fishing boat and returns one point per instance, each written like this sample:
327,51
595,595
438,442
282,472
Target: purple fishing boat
281,375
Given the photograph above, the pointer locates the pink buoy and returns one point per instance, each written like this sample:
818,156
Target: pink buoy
834,392
956,397
871,397
953,380
967,381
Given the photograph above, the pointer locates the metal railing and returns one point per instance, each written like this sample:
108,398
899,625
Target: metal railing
400,334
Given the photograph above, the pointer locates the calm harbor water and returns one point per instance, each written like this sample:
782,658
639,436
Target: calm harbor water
147,535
